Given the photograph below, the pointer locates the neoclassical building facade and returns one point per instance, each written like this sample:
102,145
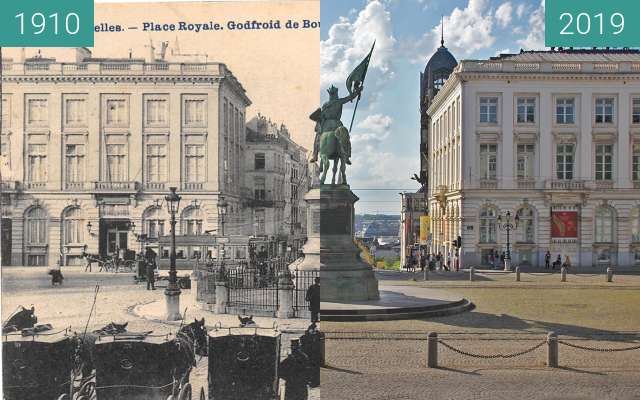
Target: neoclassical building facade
90,148
550,136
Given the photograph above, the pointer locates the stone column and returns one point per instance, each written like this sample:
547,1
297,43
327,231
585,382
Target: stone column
285,296
222,297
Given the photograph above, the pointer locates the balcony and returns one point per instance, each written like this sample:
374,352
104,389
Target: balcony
116,186
196,186
9,186
154,186
75,185
603,185
35,185
526,184
565,185
488,184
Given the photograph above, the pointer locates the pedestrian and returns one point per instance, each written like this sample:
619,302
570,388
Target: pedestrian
313,297
547,260
295,370
56,275
439,261
502,258
557,263
567,263
150,258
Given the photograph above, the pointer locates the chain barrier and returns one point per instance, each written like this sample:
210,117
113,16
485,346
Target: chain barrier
603,350
492,356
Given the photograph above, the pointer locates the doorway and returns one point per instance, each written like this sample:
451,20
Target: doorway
114,236
5,226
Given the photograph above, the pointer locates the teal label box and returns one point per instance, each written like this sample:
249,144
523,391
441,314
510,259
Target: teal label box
46,23
592,23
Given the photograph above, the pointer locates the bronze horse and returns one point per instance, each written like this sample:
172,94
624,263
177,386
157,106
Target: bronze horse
22,318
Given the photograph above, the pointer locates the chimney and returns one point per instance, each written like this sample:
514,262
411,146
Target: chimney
82,53
151,55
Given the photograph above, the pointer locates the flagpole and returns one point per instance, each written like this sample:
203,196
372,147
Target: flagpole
354,112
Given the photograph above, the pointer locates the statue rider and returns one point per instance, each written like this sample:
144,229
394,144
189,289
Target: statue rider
328,119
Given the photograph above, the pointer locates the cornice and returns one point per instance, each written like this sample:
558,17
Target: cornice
111,79
620,76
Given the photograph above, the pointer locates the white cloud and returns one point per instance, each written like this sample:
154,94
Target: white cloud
503,14
535,38
520,10
349,41
503,51
466,31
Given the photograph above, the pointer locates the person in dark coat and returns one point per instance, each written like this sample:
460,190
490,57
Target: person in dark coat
547,260
150,258
313,297
294,370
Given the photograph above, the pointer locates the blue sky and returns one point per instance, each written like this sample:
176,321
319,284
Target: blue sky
385,136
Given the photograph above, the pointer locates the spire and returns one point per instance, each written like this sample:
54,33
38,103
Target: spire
442,31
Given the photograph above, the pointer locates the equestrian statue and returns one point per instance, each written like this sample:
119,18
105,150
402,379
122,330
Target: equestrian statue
332,140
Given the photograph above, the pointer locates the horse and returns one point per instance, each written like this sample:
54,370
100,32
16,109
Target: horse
24,318
190,341
330,149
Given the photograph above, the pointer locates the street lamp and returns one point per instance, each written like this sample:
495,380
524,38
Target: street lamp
507,225
222,212
172,292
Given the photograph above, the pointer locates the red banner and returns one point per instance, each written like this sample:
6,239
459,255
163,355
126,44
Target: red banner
564,224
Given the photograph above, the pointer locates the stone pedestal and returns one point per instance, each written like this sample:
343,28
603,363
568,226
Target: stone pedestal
172,297
222,297
343,276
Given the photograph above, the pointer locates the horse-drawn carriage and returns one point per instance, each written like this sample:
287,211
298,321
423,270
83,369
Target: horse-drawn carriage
243,364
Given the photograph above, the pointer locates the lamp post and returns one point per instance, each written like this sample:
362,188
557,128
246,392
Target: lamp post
222,212
172,292
507,225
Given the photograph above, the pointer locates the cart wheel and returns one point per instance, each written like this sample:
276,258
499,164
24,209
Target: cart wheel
202,396
185,392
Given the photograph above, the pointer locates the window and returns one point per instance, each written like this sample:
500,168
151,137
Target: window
635,112
604,111
488,227
259,222
526,110
525,160
75,112
194,112
37,163
5,152
194,163
38,112
564,161
604,162
36,220
565,111
259,161
116,163
5,118
489,110
488,161
73,226
74,171
156,112
156,163
526,228
604,225
259,188
117,112
192,221
636,163
635,225
153,222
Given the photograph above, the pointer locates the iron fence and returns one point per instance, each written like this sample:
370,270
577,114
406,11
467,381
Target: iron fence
302,280
249,290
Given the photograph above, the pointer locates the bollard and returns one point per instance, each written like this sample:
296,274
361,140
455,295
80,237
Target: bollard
517,274
563,274
552,350
426,273
471,272
609,274
432,350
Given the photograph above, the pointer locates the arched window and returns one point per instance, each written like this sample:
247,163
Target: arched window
192,221
526,227
488,227
635,225
153,221
73,226
36,222
604,225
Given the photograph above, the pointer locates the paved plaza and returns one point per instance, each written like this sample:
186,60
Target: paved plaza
388,359
120,300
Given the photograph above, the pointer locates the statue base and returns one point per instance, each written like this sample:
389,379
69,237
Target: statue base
344,276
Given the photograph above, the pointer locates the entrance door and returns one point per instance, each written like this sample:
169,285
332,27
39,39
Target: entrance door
6,242
116,240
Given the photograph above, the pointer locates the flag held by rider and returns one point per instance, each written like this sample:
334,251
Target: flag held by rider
355,80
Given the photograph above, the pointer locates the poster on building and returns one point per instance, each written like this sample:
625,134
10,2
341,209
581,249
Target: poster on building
425,228
564,224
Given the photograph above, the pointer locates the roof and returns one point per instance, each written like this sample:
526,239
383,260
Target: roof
573,55
442,59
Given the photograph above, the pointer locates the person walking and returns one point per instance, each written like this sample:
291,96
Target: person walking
567,263
295,370
150,258
557,263
439,261
313,297
547,260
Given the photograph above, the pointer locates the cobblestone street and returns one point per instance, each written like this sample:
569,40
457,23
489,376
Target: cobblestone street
69,306
388,359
